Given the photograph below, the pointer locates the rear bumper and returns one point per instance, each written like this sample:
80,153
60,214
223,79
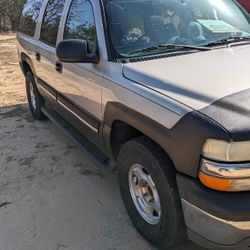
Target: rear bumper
215,220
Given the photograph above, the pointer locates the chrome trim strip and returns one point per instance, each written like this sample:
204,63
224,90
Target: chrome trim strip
78,117
44,89
225,170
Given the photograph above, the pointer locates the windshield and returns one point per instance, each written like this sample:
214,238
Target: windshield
138,24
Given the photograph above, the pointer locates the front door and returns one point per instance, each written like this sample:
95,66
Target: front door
79,85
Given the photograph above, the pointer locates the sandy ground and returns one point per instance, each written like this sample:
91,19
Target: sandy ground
11,78
52,197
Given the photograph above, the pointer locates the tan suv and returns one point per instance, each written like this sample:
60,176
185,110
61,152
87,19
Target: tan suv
159,89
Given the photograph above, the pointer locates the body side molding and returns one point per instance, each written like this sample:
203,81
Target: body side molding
48,92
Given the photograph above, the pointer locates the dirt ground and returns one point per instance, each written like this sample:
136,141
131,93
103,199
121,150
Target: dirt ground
52,197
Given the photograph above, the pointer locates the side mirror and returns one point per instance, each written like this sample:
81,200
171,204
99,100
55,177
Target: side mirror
75,51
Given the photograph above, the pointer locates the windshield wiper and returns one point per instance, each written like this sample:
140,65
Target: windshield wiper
169,47
227,40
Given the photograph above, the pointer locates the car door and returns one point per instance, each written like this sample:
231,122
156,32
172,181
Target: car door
46,49
79,85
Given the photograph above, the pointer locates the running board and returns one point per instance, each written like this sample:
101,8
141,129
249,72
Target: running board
82,142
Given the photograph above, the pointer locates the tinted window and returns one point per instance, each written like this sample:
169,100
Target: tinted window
29,16
51,21
80,23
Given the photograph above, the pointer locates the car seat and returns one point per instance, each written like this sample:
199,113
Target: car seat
195,33
157,30
132,26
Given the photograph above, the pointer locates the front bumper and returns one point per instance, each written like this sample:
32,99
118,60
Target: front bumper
216,220
215,233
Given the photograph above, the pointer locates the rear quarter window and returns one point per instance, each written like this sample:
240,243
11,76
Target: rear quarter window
29,17
51,21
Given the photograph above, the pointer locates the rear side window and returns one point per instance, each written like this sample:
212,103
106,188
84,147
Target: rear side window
51,21
29,17
80,23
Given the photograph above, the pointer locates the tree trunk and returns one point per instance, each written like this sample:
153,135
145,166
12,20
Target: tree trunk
13,25
4,23
1,24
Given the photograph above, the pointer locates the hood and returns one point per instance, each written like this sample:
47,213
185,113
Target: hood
210,82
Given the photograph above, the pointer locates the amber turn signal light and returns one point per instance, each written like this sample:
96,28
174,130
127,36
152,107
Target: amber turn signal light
215,183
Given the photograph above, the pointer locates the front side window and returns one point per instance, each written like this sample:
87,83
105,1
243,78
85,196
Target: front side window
137,24
81,24
51,21
29,16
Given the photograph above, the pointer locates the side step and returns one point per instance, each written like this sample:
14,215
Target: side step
83,143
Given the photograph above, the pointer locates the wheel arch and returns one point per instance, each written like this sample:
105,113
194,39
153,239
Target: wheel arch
27,64
123,124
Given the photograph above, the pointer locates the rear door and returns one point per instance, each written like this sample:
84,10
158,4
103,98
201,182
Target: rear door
46,49
27,31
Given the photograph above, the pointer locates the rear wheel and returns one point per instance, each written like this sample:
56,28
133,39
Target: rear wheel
35,100
148,188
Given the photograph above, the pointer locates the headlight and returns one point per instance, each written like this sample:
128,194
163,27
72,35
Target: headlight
225,177
227,151
234,175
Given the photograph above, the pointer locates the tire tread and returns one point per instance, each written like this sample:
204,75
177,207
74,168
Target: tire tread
169,171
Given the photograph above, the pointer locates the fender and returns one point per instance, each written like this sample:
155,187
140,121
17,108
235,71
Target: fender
183,143
28,60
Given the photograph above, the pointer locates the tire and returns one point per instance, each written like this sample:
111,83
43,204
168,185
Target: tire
35,100
166,228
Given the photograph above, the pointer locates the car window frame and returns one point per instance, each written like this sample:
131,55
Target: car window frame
109,44
66,19
103,48
46,3
37,20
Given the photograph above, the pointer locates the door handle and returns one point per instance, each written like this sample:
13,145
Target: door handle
38,56
59,67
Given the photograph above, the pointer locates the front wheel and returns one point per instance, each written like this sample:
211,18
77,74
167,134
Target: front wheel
35,99
148,188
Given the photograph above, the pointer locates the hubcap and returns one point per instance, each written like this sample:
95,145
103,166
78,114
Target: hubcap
32,96
144,194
